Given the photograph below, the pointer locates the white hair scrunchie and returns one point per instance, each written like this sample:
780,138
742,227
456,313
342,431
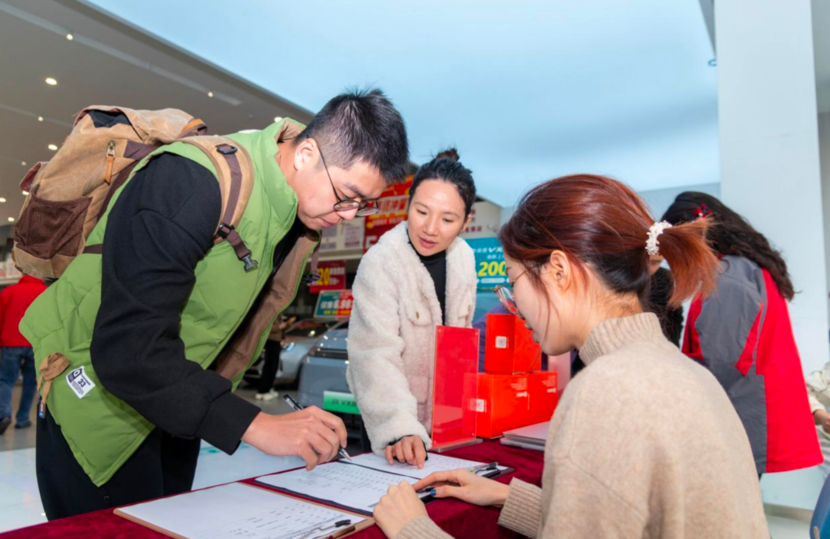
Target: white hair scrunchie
652,244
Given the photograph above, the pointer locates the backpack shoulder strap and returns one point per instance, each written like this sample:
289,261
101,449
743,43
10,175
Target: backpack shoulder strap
235,172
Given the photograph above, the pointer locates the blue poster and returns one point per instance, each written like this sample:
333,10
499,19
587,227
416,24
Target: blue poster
490,265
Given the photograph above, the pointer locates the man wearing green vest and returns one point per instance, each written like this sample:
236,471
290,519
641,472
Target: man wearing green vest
158,330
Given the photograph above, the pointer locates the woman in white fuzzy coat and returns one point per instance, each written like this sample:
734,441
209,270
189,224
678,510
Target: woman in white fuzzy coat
418,276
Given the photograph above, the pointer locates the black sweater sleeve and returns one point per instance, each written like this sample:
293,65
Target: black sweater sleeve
160,227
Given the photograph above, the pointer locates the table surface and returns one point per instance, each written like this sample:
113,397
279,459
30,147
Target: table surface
457,518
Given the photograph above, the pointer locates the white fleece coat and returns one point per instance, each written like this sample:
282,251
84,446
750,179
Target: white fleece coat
392,333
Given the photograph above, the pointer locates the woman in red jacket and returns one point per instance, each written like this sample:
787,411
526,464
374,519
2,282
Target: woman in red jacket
744,336
16,354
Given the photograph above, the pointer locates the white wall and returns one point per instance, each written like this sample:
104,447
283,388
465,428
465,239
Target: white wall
658,200
769,149
824,154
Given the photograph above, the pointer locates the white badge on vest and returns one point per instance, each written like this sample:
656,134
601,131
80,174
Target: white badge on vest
79,382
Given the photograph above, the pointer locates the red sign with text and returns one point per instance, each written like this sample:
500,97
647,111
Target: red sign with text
332,277
391,211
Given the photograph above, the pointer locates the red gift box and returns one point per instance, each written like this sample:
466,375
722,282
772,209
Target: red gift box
502,403
512,401
544,396
509,347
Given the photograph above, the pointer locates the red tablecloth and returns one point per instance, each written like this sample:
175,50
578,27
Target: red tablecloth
456,518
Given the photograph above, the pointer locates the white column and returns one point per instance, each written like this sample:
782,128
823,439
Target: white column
770,148
824,153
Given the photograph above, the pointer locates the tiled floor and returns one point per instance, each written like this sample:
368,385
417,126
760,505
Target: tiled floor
18,438
20,503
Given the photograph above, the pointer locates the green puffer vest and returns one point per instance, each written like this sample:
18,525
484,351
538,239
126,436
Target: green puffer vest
104,431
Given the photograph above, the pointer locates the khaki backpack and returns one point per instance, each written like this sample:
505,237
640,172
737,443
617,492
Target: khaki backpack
69,194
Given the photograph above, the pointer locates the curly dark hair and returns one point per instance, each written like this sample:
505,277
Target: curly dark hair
731,234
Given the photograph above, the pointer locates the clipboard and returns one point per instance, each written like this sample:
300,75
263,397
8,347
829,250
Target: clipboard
364,523
305,496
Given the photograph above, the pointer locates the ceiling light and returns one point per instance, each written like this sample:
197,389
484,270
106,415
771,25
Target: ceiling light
25,193
53,147
277,119
70,37
23,163
210,94
11,219
51,82
40,118
2,200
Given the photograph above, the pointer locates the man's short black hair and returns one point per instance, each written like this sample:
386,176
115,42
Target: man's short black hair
362,125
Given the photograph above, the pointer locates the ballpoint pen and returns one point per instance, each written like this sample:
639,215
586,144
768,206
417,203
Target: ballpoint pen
296,406
483,467
335,525
492,467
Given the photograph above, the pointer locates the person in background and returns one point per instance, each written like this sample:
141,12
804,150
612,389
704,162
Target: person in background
16,354
273,347
418,276
744,336
644,442
818,392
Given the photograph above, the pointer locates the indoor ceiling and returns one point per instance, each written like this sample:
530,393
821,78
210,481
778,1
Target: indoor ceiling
109,63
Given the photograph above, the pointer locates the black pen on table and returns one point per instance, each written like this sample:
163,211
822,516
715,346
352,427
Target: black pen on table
296,406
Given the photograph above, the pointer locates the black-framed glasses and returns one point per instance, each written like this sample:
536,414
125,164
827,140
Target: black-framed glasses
506,298
348,204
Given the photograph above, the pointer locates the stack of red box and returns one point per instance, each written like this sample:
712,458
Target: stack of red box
511,393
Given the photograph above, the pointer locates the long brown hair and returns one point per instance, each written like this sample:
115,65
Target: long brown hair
603,224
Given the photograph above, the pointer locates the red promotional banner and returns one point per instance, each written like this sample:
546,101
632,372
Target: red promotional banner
392,210
332,277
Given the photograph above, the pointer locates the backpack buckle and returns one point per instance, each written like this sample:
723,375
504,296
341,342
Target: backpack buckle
250,264
228,233
226,149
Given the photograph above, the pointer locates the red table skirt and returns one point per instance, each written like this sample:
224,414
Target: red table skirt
455,517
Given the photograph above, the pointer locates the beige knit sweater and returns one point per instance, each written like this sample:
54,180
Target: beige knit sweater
645,443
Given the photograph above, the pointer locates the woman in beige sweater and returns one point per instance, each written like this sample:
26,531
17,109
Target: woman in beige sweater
645,442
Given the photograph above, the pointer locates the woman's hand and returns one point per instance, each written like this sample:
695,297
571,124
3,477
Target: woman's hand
409,449
397,508
823,419
466,486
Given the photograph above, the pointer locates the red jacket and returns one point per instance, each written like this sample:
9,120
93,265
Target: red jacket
14,300
743,335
